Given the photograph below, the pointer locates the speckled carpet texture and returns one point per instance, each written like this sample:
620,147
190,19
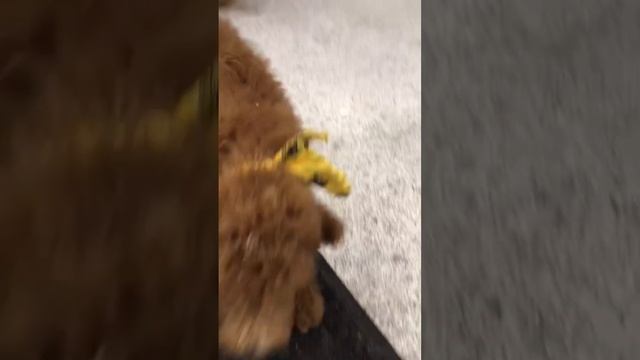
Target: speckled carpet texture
352,68
532,146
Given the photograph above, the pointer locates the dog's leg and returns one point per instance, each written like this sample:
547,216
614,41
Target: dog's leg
309,308
332,228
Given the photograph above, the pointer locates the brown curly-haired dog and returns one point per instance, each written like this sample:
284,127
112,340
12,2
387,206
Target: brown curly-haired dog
270,224
107,247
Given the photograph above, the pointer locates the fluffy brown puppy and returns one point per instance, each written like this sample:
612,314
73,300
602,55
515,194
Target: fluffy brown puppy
107,248
271,226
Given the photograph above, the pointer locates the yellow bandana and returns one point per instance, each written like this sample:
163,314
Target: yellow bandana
295,155
306,164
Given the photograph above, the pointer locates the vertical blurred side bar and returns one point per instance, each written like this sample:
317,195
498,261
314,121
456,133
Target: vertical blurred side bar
211,114
208,95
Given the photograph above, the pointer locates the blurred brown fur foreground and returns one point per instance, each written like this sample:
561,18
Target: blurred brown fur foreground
106,247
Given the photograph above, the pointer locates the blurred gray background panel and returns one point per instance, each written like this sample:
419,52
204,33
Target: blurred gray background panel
532,145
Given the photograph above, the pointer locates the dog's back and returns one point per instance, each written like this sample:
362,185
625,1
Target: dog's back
256,118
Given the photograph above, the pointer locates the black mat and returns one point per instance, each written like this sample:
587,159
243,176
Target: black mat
346,332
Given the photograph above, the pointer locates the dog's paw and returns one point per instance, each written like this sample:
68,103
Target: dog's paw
309,308
332,228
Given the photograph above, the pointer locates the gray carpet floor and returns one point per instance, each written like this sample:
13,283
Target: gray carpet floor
532,185
353,68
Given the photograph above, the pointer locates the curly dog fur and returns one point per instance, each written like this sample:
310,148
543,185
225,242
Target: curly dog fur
270,225
107,250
